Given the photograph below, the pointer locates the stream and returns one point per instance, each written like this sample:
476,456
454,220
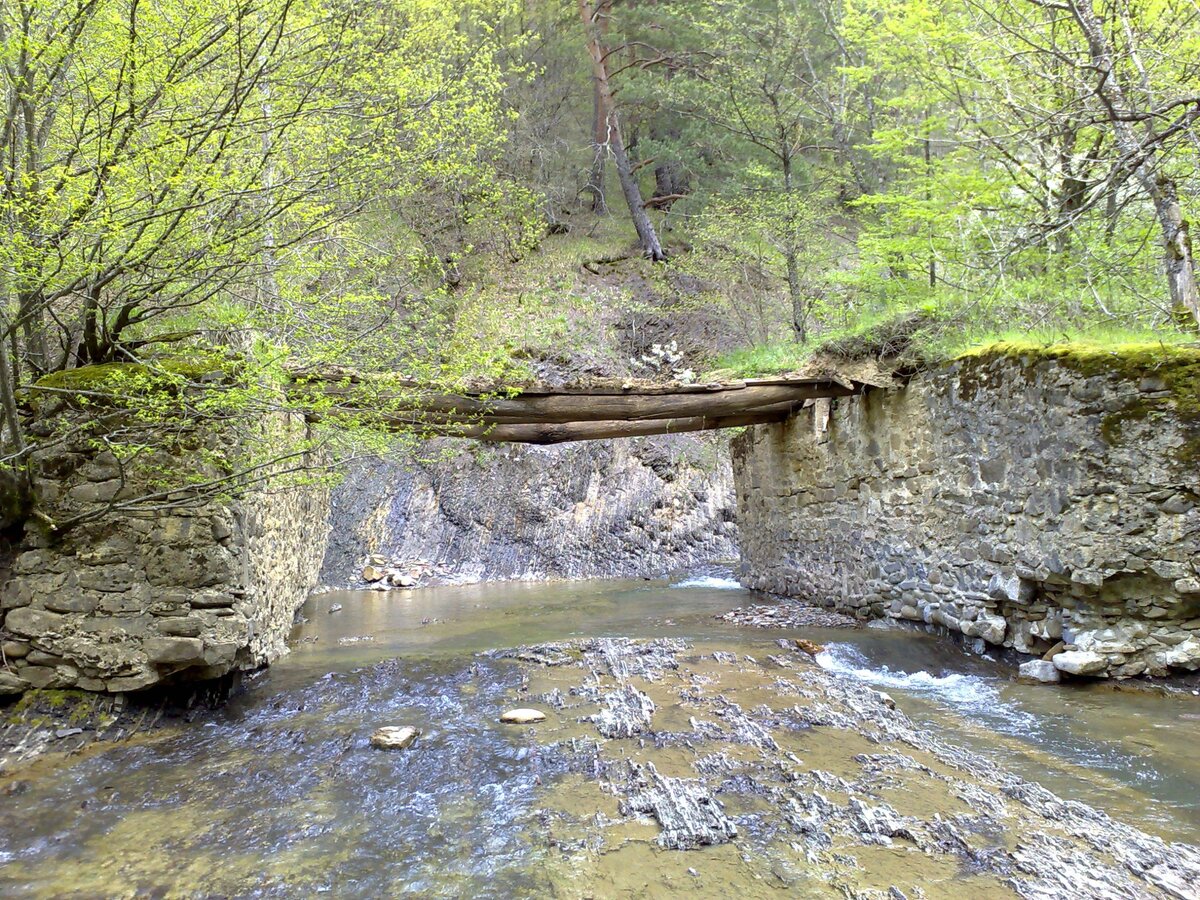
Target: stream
280,794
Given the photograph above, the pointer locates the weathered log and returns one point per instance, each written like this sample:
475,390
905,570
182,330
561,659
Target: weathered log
561,433
565,408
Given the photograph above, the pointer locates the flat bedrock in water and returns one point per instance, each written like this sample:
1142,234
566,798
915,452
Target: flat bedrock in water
281,792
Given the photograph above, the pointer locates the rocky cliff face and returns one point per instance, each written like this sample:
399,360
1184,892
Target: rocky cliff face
600,509
1044,501
188,591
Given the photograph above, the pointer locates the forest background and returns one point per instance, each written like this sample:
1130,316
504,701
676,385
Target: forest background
201,199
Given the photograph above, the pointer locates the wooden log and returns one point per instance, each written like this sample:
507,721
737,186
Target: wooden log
561,433
566,408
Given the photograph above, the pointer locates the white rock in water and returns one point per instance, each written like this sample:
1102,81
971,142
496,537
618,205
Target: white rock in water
522,717
1080,662
885,699
394,737
1040,670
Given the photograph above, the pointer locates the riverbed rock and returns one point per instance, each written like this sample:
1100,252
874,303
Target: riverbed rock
1080,662
522,717
394,737
1040,670
626,712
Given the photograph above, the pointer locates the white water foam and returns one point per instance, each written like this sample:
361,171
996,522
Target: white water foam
708,581
964,693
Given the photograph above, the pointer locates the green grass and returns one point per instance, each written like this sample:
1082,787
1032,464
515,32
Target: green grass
1100,339
920,339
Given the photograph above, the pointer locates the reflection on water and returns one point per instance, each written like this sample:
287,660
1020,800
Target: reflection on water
281,795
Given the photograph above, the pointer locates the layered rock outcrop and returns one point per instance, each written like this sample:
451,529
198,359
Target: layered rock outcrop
188,587
461,511
1043,500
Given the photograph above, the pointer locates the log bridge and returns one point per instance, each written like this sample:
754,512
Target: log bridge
553,415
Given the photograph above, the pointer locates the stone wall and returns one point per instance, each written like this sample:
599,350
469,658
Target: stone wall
602,509
1045,501
144,596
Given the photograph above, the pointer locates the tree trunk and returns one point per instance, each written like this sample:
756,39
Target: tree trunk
1178,258
629,186
595,185
599,121
799,305
791,259
12,436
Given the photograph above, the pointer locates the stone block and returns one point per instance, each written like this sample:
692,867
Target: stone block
135,682
34,623
1039,670
71,603
11,684
1080,662
211,599
40,676
180,626
165,651
109,578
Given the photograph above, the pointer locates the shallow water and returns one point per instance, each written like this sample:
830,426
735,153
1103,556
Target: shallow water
281,795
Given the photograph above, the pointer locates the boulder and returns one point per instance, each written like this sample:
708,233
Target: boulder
1040,670
372,573
1080,662
522,717
394,737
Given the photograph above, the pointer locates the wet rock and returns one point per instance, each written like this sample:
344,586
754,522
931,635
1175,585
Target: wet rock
623,658
1040,670
626,712
812,648
688,814
394,737
522,717
337,607
1080,662
790,614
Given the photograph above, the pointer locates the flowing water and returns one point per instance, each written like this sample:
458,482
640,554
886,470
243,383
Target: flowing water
280,794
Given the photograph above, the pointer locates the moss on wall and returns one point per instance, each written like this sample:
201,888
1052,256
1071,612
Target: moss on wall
1166,376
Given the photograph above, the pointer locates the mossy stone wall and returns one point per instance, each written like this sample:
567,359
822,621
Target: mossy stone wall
1045,499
